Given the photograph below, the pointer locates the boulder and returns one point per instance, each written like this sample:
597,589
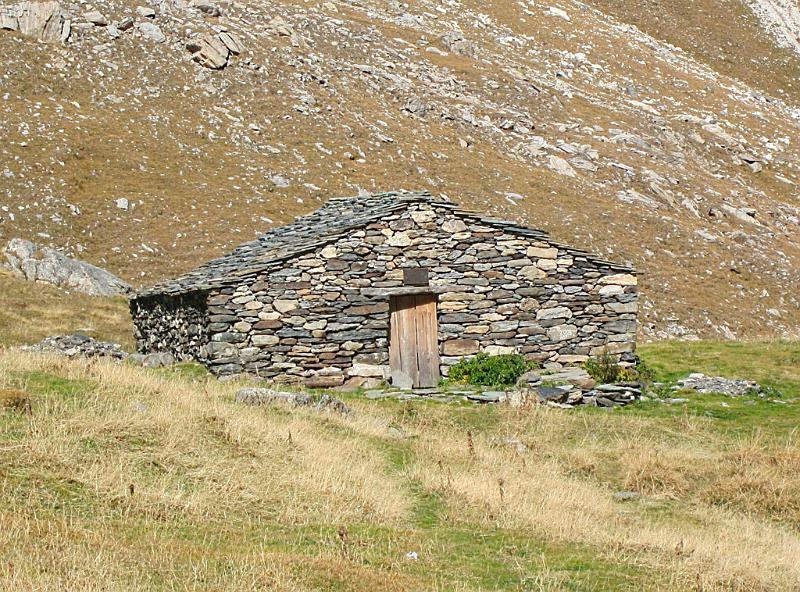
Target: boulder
458,44
158,360
96,18
209,52
206,7
231,42
8,20
151,31
46,265
46,21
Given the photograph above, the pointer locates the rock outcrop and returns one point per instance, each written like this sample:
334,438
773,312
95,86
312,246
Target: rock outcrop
43,264
46,21
213,51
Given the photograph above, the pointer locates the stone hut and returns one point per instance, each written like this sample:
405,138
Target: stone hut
393,285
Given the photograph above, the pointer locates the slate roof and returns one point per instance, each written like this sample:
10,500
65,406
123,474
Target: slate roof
338,217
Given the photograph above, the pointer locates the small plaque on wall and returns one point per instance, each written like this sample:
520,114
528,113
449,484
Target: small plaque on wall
415,276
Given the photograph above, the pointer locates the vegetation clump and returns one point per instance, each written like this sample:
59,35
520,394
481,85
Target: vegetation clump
606,370
486,370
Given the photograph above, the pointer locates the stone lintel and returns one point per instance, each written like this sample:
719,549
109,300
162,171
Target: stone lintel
409,290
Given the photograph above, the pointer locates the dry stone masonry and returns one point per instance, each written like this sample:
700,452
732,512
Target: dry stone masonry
308,302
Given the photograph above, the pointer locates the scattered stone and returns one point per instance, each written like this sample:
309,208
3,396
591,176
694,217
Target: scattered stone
145,12
560,166
46,265
266,396
553,11
78,346
558,394
723,386
487,397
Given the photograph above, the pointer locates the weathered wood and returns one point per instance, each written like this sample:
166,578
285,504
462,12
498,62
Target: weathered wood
413,344
427,340
403,355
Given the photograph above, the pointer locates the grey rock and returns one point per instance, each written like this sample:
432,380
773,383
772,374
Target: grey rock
210,52
152,32
626,496
207,8
457,43
723,386
487,397
416,106
158,360
266,396
96,18
43,264
46,21
232,42
555,394
78,345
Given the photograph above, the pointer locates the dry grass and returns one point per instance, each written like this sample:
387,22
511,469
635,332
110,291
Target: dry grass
725,34
31,311
130,479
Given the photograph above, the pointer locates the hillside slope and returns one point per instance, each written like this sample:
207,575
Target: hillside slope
127,152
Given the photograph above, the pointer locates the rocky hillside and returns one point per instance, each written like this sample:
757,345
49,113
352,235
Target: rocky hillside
159,135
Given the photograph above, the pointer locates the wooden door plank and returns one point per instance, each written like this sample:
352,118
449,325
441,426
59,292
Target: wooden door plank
427,340
402,358
394,344
408,339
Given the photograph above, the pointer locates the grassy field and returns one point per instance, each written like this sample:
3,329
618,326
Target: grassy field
31,311
123,478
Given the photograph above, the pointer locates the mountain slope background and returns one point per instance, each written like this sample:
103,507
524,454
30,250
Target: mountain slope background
584,119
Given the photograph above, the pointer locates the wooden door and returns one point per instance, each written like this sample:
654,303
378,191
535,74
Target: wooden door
414,341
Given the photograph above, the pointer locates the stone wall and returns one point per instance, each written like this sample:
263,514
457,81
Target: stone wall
176,324
309,316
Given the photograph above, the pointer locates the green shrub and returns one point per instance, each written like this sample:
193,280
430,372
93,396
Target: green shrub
486,370
605,369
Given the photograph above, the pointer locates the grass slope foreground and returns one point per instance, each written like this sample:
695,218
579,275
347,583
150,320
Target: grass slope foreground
114,477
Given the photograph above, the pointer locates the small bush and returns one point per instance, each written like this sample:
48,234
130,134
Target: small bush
486,370
605,369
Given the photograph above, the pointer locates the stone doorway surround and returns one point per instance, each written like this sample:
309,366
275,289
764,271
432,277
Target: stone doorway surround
414,347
